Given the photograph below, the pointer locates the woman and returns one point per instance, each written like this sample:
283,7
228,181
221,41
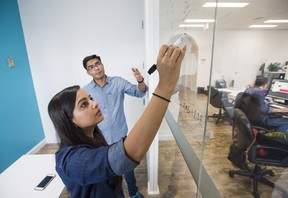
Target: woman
86,164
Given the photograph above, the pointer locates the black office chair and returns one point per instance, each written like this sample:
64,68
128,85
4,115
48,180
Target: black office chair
220,100
231,112
229,109
249,104
260,150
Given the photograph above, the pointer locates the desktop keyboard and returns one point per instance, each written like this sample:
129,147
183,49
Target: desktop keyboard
277,106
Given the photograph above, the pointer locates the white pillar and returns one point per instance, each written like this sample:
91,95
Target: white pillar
151,26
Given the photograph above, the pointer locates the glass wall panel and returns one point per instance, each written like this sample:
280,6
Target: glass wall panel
226,53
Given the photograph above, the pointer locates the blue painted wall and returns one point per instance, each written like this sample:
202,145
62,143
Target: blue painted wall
20,124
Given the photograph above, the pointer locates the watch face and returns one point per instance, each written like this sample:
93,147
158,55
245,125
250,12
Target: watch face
141,80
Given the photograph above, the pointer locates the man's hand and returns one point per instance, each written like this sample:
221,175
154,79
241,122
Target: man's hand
137,74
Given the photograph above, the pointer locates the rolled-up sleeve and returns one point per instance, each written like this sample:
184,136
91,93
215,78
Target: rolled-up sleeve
131,89
118,160
263,105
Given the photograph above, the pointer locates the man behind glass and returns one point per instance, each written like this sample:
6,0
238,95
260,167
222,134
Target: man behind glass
279,124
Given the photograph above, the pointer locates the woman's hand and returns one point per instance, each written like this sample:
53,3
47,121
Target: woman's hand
168,65
142,134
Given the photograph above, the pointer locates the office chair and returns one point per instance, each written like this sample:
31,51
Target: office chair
235,103
229,110
260,150
250,106
220,100
220,83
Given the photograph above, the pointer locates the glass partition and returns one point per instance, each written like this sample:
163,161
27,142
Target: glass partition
228,48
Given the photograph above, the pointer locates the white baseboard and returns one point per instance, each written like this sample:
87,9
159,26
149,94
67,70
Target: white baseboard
153,192
36,148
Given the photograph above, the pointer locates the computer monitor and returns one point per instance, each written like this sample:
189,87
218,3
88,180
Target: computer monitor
278,89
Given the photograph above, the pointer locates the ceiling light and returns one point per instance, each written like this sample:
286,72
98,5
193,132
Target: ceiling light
199,20
225,5
262,26
192,25
276,21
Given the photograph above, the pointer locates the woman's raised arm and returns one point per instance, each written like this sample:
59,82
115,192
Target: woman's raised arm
142,134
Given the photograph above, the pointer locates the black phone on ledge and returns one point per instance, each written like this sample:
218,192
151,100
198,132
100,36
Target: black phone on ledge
45,181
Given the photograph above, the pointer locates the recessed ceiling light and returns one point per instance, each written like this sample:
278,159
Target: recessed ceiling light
276,21
199,20
225,5
192,25
262,26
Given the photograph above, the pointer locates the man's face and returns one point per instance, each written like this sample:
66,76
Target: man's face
95,69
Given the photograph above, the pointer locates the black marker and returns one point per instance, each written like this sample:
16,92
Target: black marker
178,43
152,69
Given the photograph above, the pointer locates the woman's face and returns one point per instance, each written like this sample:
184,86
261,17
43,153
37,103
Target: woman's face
86,113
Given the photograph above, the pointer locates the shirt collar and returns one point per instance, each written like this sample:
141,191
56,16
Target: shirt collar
108,80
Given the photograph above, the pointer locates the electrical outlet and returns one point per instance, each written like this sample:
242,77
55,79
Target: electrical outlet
10,62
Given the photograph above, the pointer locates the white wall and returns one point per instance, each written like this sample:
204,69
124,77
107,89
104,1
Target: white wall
237,54
59,34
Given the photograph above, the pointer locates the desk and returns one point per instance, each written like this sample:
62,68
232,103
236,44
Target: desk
277,106
22,176
232,92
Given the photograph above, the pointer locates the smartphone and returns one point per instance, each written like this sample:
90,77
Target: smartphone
44,183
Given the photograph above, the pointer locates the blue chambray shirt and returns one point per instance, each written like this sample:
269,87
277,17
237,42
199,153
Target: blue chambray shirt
110,98
88,172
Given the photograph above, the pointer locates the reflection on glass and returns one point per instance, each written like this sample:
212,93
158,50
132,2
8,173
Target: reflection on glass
238,53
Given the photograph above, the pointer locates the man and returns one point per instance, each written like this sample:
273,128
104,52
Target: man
265,119
109,93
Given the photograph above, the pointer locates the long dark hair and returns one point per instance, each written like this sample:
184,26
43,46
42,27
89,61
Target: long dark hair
60,110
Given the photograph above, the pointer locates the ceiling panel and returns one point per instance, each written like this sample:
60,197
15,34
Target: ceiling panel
174,12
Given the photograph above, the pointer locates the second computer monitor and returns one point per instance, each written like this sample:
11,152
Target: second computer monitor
278,89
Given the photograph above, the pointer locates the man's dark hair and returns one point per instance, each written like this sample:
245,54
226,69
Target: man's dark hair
261,81
86,59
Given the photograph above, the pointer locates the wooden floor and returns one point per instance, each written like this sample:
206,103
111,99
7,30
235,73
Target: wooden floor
175,179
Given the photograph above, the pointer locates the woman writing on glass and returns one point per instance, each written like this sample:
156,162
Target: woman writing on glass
86,164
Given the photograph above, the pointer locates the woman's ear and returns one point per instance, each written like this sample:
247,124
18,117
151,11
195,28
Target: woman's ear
75,123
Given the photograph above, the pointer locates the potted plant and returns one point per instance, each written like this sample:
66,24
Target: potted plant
274,67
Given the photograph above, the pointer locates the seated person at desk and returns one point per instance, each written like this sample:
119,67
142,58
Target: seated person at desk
278,123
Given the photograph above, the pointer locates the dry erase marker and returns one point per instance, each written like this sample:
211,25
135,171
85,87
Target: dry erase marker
178,43
180,40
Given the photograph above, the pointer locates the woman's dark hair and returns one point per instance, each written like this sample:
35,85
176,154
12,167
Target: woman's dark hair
60,110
